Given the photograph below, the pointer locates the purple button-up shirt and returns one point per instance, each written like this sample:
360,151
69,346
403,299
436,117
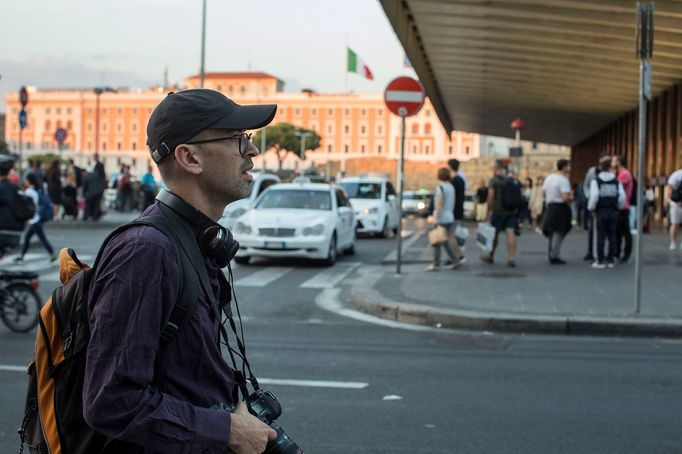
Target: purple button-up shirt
132,294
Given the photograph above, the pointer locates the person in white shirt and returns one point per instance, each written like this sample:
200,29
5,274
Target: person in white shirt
443,217
673,190
606,199
557,220
35,225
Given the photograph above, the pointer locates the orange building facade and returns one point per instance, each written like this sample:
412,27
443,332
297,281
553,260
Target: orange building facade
351,126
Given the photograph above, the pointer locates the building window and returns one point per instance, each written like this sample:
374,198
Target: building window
329,148
69,124
414,149
90,110
426,149
104,126
313,126
47,110
362,148
346,129
415,128
89,127
133,145
48,125
363,112
59,124
104,146
314,112
380,130
345,148
347,112
68,110
134,110
230,89
535,145
104,110
427,112
118,145
330,112
379,149
363,130
449,149
89,145
120,111
466,150
297,112
242,90
380,112
330,129
220,88
427,128
119,127
134,127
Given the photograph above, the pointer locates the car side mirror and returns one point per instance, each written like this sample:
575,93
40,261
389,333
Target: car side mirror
391,198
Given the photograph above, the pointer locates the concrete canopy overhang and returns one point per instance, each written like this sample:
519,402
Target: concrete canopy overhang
568,68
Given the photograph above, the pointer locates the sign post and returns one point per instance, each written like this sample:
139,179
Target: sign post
23,99
404,97
645,49
60,136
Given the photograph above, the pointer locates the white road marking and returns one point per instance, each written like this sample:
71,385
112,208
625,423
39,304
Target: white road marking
393,255
264,381
8,368
331,276
392,397
314,383
263,277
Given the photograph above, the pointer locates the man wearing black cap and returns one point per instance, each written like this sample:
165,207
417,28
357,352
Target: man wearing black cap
10,226
149,396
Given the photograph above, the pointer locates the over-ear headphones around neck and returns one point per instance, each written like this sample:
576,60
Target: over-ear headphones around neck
215,241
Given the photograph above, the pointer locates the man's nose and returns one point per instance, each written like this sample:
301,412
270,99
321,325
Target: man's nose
251,150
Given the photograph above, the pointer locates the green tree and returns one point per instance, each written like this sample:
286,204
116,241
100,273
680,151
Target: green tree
282,139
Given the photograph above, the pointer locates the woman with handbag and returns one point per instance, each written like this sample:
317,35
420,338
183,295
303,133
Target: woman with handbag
444,220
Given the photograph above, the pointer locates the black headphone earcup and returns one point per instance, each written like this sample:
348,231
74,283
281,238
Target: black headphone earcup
219,245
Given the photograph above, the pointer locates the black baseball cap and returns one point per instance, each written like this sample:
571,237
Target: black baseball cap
183,115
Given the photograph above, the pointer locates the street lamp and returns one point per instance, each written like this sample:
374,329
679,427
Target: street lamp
303,135
98,91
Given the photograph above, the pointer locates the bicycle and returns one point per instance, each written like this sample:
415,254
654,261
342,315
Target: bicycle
20,303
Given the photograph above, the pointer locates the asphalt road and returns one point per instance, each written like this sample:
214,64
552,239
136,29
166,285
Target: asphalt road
349,385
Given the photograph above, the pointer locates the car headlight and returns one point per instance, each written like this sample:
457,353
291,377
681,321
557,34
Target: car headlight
421,205
367,211
240,227
317,229
238,212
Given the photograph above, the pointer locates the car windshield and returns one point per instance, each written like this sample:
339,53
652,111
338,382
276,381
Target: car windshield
362,190
300,199
415,196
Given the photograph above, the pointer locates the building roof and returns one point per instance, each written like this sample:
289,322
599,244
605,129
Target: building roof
566,67
235,75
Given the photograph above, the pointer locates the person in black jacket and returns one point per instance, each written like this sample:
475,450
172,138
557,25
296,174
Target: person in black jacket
10,226
460,186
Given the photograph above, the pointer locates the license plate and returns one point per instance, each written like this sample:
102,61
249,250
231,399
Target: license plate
275,245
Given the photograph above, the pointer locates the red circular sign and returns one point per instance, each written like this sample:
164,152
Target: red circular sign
23,96
404,96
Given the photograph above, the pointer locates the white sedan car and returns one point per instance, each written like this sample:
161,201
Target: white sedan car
309,220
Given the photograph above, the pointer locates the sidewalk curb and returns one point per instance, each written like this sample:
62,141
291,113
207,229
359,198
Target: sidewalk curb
372,302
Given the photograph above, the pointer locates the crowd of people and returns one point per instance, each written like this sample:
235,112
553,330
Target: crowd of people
604,205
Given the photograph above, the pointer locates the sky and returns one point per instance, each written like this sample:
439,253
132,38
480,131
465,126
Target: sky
85,43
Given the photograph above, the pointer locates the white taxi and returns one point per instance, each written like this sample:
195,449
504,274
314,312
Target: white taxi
374,202
309,220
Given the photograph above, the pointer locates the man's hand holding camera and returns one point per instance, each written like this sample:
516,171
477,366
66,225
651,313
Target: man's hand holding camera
248,435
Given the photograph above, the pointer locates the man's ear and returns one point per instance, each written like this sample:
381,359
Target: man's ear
187,159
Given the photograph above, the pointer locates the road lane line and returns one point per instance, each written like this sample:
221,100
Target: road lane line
331,276
314,383
263,277
393,255
263,381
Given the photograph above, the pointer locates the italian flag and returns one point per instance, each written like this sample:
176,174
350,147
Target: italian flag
357,66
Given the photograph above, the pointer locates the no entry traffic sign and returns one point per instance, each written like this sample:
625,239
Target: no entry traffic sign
404,96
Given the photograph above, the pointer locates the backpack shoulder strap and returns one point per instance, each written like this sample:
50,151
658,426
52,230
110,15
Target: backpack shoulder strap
187,297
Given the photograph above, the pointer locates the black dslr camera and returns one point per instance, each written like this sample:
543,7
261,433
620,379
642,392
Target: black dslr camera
264,406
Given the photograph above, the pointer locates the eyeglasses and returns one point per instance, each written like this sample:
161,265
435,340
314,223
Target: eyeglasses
244,142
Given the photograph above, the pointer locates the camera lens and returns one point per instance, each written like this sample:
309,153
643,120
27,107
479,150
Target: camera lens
282,444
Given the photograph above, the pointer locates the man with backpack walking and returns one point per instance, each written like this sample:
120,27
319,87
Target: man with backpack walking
504,202
557,219
43,214
606,198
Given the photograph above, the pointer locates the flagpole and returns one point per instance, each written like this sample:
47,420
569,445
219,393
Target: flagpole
345,95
